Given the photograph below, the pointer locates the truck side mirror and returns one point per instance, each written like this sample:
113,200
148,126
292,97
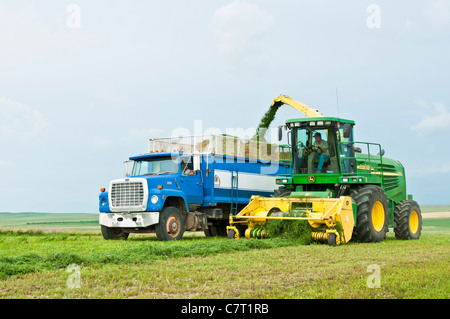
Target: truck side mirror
280,133
347,130
126,168
382,152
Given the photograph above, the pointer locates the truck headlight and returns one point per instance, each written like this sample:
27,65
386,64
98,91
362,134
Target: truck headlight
154,199
103,201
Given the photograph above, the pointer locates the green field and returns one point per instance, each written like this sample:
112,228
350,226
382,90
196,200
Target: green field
33,264
435,208
436,225
49,221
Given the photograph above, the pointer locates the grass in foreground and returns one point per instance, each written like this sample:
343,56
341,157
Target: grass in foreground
219,268
27,252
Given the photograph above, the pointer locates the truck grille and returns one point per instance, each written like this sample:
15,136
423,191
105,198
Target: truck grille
127,194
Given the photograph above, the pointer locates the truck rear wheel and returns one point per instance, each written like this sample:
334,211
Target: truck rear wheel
408,220
113,233
222,229
372,216
218,229
171,224
207,231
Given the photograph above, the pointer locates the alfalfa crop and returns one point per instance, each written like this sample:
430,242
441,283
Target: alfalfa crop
298,230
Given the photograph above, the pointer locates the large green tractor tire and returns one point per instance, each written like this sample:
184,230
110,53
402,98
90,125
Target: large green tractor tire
372,217
113,233
407,220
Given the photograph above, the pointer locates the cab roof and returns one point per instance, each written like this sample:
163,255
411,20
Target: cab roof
154,154
313,119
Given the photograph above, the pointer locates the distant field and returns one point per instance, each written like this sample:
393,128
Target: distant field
435,208
89,222
83,221
436,225
49,221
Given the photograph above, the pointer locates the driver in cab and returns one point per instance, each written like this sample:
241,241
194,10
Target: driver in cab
188,169
320,149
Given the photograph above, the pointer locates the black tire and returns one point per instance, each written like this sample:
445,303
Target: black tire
373,205
218,229
231,234
213,230
207,231
113,233
171,224
407,225
222,229
332,239
281,192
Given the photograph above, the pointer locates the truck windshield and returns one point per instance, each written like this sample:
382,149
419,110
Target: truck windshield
155,166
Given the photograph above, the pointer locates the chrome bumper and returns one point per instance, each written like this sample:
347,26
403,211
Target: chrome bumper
133,220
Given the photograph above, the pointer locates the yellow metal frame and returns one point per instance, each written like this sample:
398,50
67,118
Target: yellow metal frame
305,109
324,211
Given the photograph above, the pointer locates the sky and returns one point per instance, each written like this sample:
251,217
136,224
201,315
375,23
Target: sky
84,84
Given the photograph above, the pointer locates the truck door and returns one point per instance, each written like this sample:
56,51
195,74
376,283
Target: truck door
191,181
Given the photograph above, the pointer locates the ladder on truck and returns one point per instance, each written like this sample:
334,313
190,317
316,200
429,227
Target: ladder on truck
234,190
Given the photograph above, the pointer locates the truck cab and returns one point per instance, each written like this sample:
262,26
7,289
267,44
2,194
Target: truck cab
155,180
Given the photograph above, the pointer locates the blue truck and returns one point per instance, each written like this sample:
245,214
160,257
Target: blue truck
183,186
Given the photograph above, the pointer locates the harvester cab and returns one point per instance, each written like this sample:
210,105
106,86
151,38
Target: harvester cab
346,190
317,142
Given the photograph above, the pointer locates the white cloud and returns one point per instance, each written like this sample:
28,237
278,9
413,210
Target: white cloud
437,15
445,168
433,19
134,134
239,27
4,163
431,168
435,119
102,143
19,120
143,133
25,40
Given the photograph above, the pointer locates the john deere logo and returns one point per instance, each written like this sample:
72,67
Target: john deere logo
311,179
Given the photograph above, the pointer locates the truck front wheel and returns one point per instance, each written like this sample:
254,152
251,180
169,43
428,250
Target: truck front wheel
171,224
113,233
